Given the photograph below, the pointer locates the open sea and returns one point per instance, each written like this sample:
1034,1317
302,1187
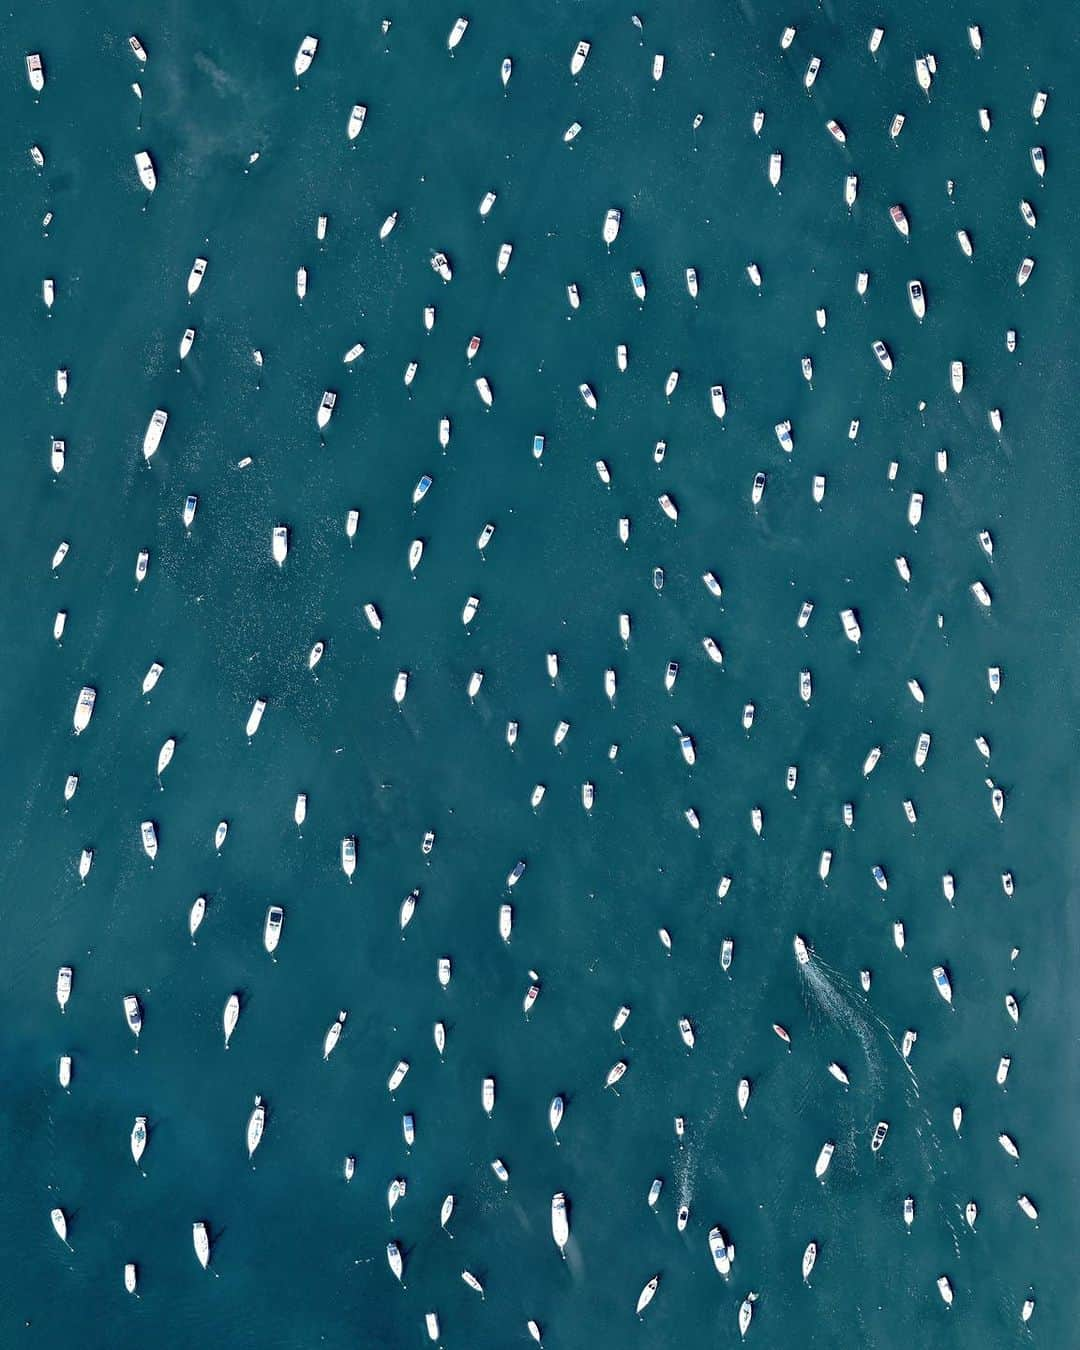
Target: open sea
298,1255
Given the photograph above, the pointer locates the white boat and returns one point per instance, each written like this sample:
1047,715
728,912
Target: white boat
975,37
84,709
59,1223
131,1277
580,56
443,971
1038,107
401,686
1027,1207
1025,270
758,121
809,1259
48,292
622,357
356,121
1012,1007
746,1312
923,73
374,618
966,246
984,120
776,167
555,1114
200,1237
326,408
802,955
1038,160
692,282
836,131
899,218
883,355
713,651
824,1158
588,396
138,1138
806,688
1028,213
354,352
86,860
439,1034
35,72
1029,1303
333,1035
305,55
506,71
719,404
839,1073
476,679
320,228
348,855
71,786
468,613
862,281
783,435
133,1014
275,918
812,72
230,1016
1008,1143
314,657
647,1294
256,1122
908,1043
757,489
917,299
440,263
851,192
754,273
487,202
818,488
637,281
62,383
255,716
658,67
981,594
352,520
903,568
301,283
279,544
502,261
787,37
349,1168
186,342
149,839
881,1129
63,986
191,506
720,1250
615,1073
897,125
994,416
945,1290
686,1031
195,276
457,32
145,166
922,749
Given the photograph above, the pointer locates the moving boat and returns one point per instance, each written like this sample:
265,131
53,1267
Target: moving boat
201,1239
305,55
145,166
801,953
333,1035
275,917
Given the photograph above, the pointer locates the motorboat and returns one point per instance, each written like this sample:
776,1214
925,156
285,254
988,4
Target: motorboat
457,32
500,1170
818,488
787,37
948,886
637,281
326,408
916,691
727,951
692,282
881,1129
864,980
824,1158
811,73
839,1073
186,342
255,716
305,55
191,506
966,246
883,355
35,72
712,584
320,227
502,261
195,276
1002,1074
716,397
806,688
907,1044
994,416
356,121
84,709
720,1250
408,909
62,382
862,282
149,839
615,1073
1010,340
917,298
686,1031
808,369
802,955
621,357
48,292
1024,271
443,971
131,1277
142,564
401,686
942,983
505,72
956,376
487,398
897,125
1038,160
133,1014
348,855
555,1113
145,166
439,1036
742,1094
790,780
783,435
984,120
851,193
757,489
658,68
580,56
923,74
588,396
612,222
945,1290
899,936
753,271
138,1138
1027,1207
1008,1143
63,986
904,569
975,38
922,749
476,679
440,263
776,168
871,761
301,283
275,917
1012,1008
59,1222
410,372
279,544
468,613
86,860
782,1032
898,216
71,786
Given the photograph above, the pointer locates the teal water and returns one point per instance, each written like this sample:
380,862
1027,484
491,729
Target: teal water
298,1255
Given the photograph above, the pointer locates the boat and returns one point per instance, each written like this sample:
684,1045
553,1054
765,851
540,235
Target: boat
746,1312
48,292
301,283
836,131
457,32
35,72
783,435
802,955
63,986
476,679
881,1129
142,564
908,1043
1029,1303
320,228
757,489
502,261
903,568
637,281
899,218
754,273
975,37
588,396
555,1113
326,408
839,1073
70,786
720,1250
499,1168
809,1259
776,168
186,342
62,383
195,276
468,613
348,855
716,397
692,282
1027,1207
305,55
1024,271
862,281
86,859
984,120
440,263
922,749
387,225
410,372
421,490
133,1014
131,1277
1008,1143
333,1035
1038,160
149,839
518,870
727,950
580,56
145,165
942,983
191,506
84,709
686,1031
883,355
917,299
805,686
945,1290
259,706
138,1138
256,1121
787,37
504,74
647,1294
1012,1007
59,1223
824,1158
923,73
758,121
401,686
851,192
658,67
621,357
811,73
615,1073
230,1016
538,444
356,121
275,917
